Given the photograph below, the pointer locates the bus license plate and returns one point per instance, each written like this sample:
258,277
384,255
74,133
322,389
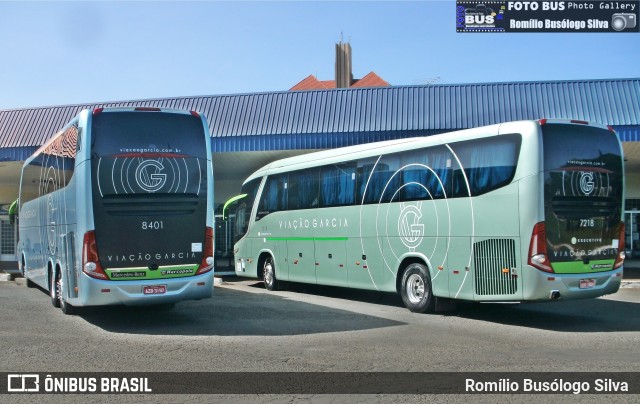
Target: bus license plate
156,290
587,283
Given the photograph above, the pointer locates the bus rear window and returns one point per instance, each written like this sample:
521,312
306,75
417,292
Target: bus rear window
129,133
583,196
580,147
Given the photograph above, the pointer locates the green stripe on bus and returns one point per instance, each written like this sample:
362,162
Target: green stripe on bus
578,267
307,238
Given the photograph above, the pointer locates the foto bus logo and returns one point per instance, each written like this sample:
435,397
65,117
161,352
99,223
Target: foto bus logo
478,16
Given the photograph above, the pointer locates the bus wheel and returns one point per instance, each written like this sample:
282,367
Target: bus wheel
23,270
415,289
53,289
64,305
269,274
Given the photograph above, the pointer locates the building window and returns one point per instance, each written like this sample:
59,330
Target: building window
7,237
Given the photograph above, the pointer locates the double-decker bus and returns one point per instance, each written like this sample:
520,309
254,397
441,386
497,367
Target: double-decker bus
518,211
117,207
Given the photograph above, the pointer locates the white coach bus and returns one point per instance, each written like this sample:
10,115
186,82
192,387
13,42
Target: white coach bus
117,207
519,211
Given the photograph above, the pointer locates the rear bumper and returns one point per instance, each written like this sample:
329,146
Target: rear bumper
95,292
541,286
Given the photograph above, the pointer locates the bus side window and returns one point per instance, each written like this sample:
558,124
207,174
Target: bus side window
274,196
79,140
303,189
382,184
337,185
489,163
426,174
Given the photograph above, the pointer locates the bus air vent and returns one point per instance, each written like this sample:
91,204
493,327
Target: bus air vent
490,257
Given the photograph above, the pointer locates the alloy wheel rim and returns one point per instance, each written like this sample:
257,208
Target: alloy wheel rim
415,288
268,273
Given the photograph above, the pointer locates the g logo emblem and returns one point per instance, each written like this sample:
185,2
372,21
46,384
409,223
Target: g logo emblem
409,227
587,184
149,177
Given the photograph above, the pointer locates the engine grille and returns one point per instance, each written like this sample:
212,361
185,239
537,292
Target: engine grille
491,260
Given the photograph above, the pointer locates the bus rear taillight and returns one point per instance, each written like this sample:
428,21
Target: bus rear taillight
207,253
621,254
538,257
90,261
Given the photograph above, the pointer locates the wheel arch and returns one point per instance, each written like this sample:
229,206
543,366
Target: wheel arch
262,257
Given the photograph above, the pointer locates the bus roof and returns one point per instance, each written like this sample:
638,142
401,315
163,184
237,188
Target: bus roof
372,149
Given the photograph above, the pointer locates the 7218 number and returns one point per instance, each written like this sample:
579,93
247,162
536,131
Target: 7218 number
587,223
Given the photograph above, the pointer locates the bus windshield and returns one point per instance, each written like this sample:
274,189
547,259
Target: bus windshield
583,185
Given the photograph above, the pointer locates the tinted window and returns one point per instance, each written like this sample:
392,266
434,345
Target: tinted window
244,207
139,153
53,168
426,174
363,175
577,146
338,185
135,132
379,182
406,176
488,163
583,187
274,195
303,189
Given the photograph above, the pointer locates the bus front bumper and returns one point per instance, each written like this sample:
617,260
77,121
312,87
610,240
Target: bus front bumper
95,292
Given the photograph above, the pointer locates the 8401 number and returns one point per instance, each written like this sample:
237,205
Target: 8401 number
155,225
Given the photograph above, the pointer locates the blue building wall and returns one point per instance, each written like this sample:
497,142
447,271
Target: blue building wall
332,118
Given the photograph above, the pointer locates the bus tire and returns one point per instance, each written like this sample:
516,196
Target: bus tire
64,305
53,289
23,271
269,274
416,290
